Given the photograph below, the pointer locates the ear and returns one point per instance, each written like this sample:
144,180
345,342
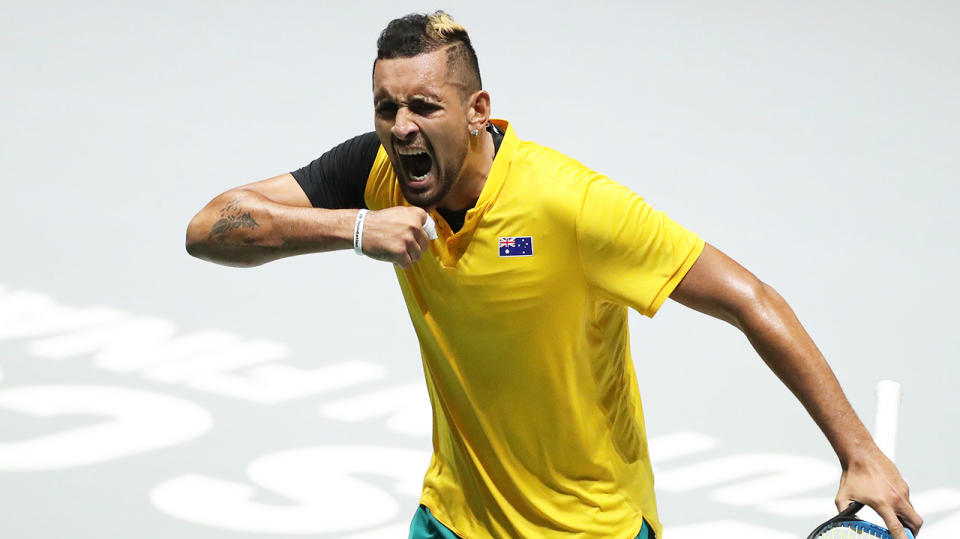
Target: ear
478,110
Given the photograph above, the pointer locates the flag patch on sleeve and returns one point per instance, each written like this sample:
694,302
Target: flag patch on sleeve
516,246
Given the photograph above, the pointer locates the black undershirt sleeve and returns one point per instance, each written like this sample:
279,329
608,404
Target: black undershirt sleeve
338,178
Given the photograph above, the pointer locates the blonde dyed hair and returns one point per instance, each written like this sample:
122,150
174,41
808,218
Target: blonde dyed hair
440,24
419,33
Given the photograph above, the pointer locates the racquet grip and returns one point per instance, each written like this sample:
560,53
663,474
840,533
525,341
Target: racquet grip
889,395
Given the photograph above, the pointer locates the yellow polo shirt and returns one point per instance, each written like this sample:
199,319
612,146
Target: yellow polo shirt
537,424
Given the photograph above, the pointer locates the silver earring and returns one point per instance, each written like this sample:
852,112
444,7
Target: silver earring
474,132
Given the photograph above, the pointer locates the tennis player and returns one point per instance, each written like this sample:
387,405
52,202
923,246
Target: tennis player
520,305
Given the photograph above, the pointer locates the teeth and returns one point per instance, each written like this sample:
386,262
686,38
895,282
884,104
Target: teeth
409,151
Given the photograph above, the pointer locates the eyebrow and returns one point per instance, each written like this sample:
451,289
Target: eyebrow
425,98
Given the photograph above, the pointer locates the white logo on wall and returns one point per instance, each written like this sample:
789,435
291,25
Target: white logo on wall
322,483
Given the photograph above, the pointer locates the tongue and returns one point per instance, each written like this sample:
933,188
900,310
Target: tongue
418,165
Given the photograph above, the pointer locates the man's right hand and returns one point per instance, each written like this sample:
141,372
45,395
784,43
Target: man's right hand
396,235
270,219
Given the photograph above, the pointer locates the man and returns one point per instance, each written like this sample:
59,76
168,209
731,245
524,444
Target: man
520,304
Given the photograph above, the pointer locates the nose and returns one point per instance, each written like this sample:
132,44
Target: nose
403,125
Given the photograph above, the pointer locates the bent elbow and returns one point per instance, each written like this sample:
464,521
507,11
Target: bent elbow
745,300
200,245
196,242
761,304
764,294
209,252
194,247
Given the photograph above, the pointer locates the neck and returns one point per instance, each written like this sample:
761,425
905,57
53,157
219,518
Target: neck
473,175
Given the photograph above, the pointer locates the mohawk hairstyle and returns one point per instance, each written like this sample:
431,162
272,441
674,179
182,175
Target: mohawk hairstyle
416,34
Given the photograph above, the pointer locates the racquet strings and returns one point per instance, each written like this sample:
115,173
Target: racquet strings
852,531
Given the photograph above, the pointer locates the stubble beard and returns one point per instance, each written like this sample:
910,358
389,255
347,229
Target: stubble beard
444,180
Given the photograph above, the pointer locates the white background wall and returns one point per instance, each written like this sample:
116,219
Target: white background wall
147,394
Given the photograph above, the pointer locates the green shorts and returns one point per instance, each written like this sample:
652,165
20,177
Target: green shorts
424,526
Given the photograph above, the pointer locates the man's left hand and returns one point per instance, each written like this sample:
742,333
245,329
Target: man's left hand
874,481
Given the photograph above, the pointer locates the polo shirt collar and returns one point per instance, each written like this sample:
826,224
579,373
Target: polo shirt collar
456,244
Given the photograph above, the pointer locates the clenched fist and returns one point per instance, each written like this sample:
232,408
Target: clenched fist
395,235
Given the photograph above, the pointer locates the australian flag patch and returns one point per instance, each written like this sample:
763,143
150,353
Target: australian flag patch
516,246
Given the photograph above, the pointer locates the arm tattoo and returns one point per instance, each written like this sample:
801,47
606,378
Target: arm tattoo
231,218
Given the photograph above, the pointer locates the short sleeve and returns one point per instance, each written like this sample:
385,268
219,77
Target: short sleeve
632,254
337,179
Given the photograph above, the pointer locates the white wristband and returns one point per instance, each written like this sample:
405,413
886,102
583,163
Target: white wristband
358,232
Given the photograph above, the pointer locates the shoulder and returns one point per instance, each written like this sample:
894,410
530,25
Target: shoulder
551,178
548,164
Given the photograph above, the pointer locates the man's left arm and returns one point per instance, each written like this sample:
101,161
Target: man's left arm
716,285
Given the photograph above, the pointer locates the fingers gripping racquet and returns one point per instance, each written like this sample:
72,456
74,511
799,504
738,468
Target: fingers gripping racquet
846,525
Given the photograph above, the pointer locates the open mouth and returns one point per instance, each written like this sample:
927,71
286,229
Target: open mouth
417,163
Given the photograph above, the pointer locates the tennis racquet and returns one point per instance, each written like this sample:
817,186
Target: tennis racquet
846,525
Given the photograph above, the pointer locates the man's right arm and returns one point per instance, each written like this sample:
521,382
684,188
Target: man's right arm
271,219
